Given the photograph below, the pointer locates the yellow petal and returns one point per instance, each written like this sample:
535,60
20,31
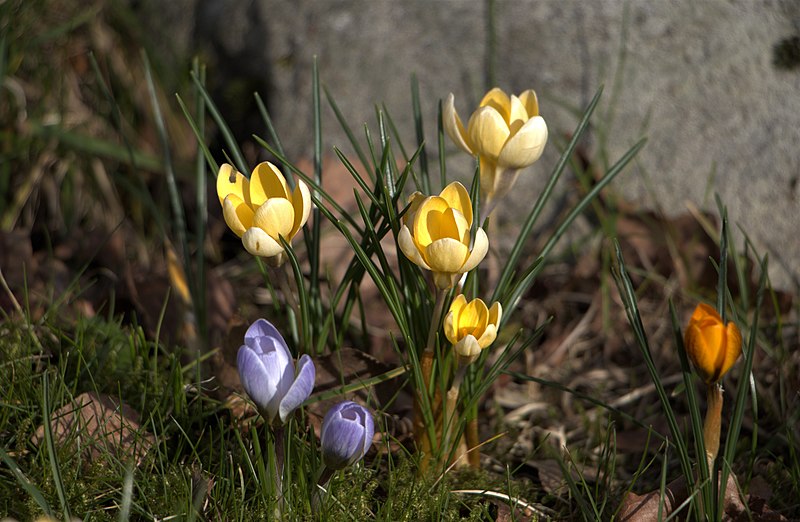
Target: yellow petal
452,224
450,327
229,181
267,182
275,217
498,100
488,336
458,304
457,197
259,243
453,126
428,220
518,112
301,202
488,132
531,103
414,201
495,314
473,318
409,248
526,146
479,249
446,255
237,214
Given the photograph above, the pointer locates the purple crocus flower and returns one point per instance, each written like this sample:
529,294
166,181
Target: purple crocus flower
268,373
347,431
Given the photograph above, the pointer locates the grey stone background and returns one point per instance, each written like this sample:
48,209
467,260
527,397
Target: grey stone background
699,79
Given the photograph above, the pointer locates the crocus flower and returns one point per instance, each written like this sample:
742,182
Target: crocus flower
505,133
471,326
268,373
347,431
711,345
437,235
261,209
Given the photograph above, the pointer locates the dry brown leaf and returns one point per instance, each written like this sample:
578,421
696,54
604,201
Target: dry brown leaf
100,425
643,508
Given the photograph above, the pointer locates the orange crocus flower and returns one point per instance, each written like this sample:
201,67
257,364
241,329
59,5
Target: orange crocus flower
712,346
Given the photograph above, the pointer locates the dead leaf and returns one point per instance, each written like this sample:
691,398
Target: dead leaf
643,508
100,425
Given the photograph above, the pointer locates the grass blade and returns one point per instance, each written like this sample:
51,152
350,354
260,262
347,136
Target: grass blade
525,231
26,484
241,164
50,444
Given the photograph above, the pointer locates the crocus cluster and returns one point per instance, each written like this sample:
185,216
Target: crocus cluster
262,209
277,387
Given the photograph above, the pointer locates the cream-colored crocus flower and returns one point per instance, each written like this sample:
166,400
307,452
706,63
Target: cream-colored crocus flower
262,209
505,133
471,327
437,235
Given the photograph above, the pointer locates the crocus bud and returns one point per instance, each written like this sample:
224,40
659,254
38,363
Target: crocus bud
436,235
505,132
711,345
262,209
268,373
471,326
347,431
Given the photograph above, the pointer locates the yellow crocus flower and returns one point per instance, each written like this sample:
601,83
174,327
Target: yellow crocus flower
712,346
261,209
436,236
471,326
506,133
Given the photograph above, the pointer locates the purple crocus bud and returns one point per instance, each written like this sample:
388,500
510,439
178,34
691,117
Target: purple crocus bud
347,431
268,373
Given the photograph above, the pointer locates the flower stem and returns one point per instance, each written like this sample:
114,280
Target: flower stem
450,413
472,440
279,434
711,426
325,475
424,443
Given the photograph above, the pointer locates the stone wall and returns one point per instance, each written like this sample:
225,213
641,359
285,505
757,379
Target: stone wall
699,79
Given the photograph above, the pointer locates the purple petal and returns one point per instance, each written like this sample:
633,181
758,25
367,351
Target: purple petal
254,378
278,370
345,431
300,389
262,328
